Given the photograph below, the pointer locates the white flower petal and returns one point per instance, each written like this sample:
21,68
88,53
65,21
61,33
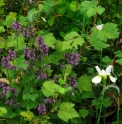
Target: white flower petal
114,86
109,69
102,73
97,79
113,79
99,27
98,69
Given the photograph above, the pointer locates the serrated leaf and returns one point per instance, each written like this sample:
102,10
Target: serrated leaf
84,83
100,10
78,41
83,112
90,12
23,21
49,40
68,70
48,5
28,116
66,112
71,35
66,45
87,94
49,88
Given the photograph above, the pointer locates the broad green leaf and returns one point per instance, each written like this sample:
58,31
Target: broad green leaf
2,29
10,19
83,112
29,96
20,63
100,10
17,42
3,111
84,83
61,10
73,5
87,94
78,41
23,21
71,35
110,30
49,40
28,116
66,45
1,10
66,112
32,15
12,115
2,2
49,88
90,12
48,5
41,7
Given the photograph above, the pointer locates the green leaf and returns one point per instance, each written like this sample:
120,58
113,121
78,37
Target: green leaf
87,94
78,41
48,5
32,15
84,83
8,94
28,116
16,42
10,19
2,29
83,113
2,2
49,40
110,30
90,12
106,102
29,96
22,20
73,6
41,7
100,10
2,42
49,88
3,111
68,70
66,112
71,35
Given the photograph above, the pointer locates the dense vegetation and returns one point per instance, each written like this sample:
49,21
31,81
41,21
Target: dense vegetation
61,62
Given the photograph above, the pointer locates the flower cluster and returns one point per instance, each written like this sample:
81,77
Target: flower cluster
41,109
16,26
42,46
49,100
40,75
28,32
6,60
3,91
72,82
72,58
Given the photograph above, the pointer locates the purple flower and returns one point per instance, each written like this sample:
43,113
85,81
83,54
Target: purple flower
72,58
49,100
16,26
42,46
28,32
41,109
11,54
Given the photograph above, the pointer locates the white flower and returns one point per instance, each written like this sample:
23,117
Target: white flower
104,73
99,27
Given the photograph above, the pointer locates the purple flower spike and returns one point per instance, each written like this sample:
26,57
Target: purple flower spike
41,109
16,26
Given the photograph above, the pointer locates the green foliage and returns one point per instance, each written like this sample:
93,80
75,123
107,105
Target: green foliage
66,112
83,112
84,83
3,111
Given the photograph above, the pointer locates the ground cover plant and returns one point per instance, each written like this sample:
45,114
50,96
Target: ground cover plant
61,62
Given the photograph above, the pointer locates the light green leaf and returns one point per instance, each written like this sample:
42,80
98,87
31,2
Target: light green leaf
48,5
90,12
49,40
71,35
100,10
73,6
66,45
68,70
3,111
84,83
23,21
83,112
106,102
66,112
78,41
49,88
2,29
28,116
